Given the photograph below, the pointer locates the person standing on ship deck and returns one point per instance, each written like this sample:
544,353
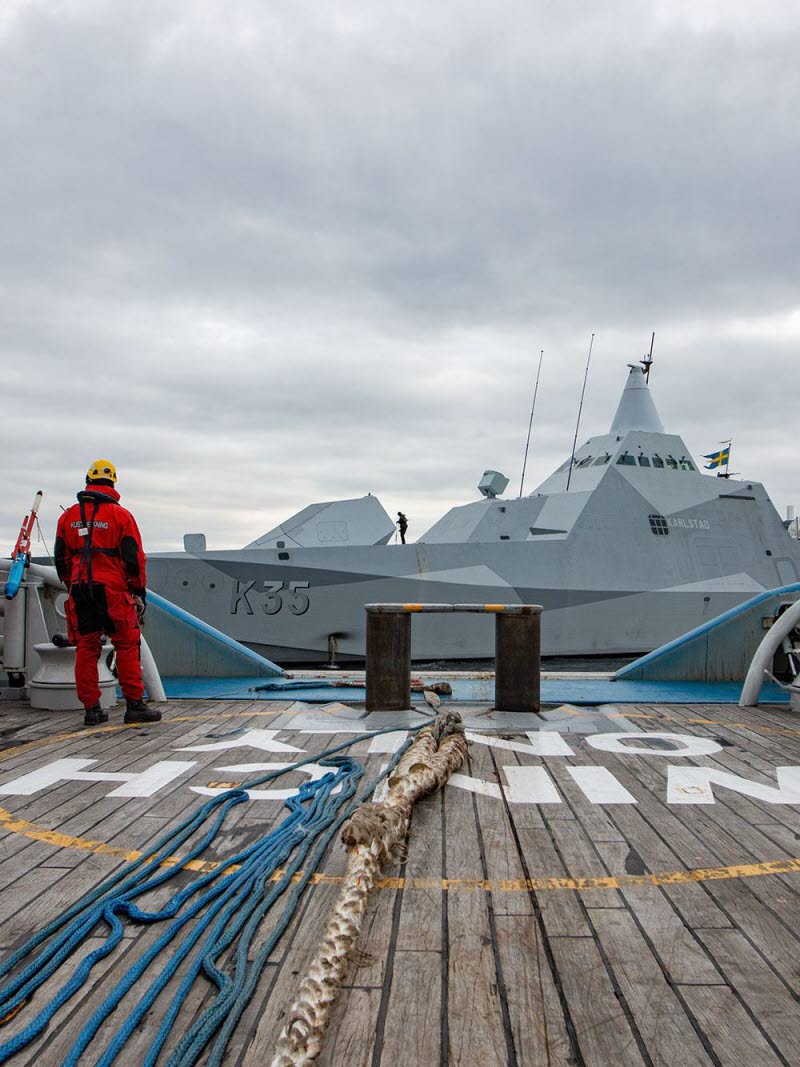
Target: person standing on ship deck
402,525
99,557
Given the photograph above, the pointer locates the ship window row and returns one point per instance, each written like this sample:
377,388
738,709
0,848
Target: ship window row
668,462
627,460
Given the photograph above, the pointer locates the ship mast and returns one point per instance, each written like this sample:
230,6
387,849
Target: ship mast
530,422
580,411
647,362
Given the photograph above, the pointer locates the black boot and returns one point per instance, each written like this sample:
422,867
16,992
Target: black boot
95,716
138,711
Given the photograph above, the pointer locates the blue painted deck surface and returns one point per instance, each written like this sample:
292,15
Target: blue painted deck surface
579,691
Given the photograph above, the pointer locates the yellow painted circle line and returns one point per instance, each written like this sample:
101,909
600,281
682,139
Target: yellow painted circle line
31,830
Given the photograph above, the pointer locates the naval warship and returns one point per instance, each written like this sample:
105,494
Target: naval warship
626,546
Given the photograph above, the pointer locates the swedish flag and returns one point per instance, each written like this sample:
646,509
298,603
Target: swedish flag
718,459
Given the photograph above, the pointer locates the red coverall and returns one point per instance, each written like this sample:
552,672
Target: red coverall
99,557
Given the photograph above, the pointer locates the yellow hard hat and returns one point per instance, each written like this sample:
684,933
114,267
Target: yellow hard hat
101,469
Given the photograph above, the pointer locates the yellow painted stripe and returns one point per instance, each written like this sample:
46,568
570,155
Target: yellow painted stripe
411,607
626,881
494,607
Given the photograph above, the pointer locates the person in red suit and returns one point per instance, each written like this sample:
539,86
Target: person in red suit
99,557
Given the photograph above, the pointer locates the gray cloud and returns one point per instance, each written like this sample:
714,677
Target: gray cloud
263,256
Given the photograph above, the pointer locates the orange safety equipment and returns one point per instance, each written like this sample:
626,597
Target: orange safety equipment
99,556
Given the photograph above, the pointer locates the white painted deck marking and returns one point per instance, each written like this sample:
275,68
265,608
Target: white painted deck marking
388,744
692,785
475,785
600,786
530,785
143,784
262,739
525,784
686,744
547,743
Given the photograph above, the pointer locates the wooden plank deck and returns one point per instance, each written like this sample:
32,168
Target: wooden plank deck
586,908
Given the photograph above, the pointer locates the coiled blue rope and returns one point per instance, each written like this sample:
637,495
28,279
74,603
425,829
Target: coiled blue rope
216,910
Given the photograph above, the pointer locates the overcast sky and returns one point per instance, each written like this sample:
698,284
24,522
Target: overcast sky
262,254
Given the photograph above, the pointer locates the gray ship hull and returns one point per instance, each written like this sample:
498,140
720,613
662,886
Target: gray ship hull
576,621
288,610
639,549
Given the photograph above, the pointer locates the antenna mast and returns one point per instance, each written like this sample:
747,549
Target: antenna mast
580,410
530,423
647,362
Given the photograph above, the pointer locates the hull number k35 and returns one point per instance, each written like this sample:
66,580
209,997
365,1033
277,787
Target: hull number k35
270,597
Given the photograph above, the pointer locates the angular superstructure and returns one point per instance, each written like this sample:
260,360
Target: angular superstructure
362,521
640,548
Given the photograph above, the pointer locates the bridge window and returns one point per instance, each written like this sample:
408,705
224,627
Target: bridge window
626,461
672,463
659,525
585,462
658,461
644,461
686,465
602,459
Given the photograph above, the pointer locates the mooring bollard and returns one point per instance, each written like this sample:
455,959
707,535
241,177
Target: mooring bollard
388,658
517,653
517,665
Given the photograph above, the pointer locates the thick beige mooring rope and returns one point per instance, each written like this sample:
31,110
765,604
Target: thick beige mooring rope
375,834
